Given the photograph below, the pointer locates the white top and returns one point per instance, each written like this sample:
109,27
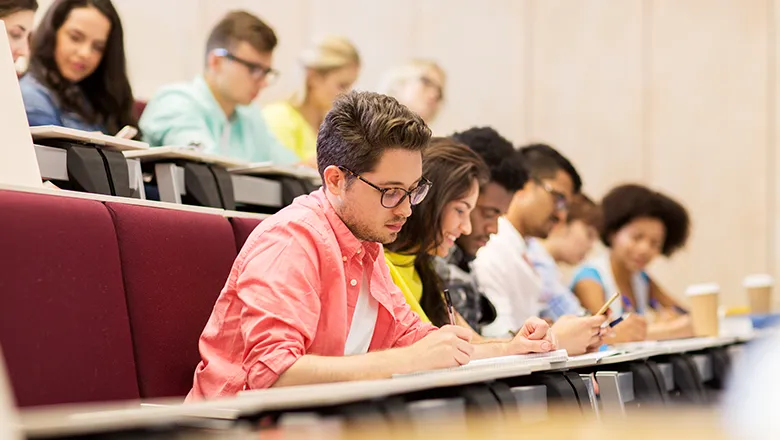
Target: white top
508,280
363,322
640,286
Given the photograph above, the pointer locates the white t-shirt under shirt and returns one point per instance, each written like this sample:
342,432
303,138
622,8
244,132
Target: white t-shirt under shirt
363,322
508,280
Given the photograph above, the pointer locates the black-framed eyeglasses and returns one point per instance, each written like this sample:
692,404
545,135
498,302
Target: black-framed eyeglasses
392,197
257,70
561,202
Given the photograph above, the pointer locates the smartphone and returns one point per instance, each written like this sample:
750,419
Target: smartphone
609,302
127,132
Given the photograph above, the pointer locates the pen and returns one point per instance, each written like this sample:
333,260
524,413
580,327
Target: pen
626,302
655,305
450,310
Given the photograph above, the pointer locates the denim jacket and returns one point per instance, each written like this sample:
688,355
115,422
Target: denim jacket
43,108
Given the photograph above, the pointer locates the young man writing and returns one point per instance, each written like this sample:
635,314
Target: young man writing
310,299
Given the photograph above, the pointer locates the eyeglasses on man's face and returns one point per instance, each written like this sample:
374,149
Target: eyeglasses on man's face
256,70
559,198
392,197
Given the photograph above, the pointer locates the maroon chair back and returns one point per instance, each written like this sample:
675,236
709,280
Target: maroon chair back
175,263
242,227
64,328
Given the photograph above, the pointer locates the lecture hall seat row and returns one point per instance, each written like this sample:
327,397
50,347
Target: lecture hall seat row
105,301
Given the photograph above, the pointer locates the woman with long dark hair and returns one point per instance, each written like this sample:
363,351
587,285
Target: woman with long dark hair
457,172
78,75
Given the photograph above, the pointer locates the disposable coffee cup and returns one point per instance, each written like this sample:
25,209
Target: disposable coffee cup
759,292
704,308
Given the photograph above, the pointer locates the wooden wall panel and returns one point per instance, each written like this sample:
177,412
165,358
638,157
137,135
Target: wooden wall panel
587,86
773,163
383,32
481,45
707,136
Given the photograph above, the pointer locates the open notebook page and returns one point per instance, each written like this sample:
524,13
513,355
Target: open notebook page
503,361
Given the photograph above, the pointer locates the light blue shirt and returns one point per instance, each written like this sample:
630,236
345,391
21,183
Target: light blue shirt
188,114
43,108
559,300
599,270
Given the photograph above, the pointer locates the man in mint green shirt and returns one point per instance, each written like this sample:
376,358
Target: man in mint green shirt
215,112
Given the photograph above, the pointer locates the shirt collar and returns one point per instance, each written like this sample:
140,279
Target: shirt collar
207,96
458,257
538,252
349,244
510,235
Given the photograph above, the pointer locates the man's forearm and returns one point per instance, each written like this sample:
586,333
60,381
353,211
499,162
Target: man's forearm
488,348
311,369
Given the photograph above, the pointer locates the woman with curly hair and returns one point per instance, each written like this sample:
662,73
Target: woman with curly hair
639,224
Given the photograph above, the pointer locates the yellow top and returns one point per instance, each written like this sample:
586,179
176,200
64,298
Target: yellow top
292,130
407,279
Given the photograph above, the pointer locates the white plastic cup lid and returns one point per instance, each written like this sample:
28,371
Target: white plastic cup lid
702,289
758,280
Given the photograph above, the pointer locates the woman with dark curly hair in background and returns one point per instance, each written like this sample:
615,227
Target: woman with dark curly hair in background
639,224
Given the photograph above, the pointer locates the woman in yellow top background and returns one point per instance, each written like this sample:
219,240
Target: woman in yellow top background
331,65
457,173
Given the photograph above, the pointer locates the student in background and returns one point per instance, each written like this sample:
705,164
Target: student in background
419,85
507,175
568,243
309,298
639,225
77,76
18,18
331,65
503,268
214,112
457,173
432,230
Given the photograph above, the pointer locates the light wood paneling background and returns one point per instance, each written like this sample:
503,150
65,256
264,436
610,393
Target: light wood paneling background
678,94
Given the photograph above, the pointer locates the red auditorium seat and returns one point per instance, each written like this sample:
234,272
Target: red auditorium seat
64,328
242,227
175,263
138,109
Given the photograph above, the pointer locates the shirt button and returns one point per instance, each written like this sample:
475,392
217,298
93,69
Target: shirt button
353,283
359,250
344,258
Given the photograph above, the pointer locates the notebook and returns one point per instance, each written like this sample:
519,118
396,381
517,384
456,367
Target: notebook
597,356
502,362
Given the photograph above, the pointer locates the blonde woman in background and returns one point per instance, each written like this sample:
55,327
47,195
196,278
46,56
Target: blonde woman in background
419,85
331,65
